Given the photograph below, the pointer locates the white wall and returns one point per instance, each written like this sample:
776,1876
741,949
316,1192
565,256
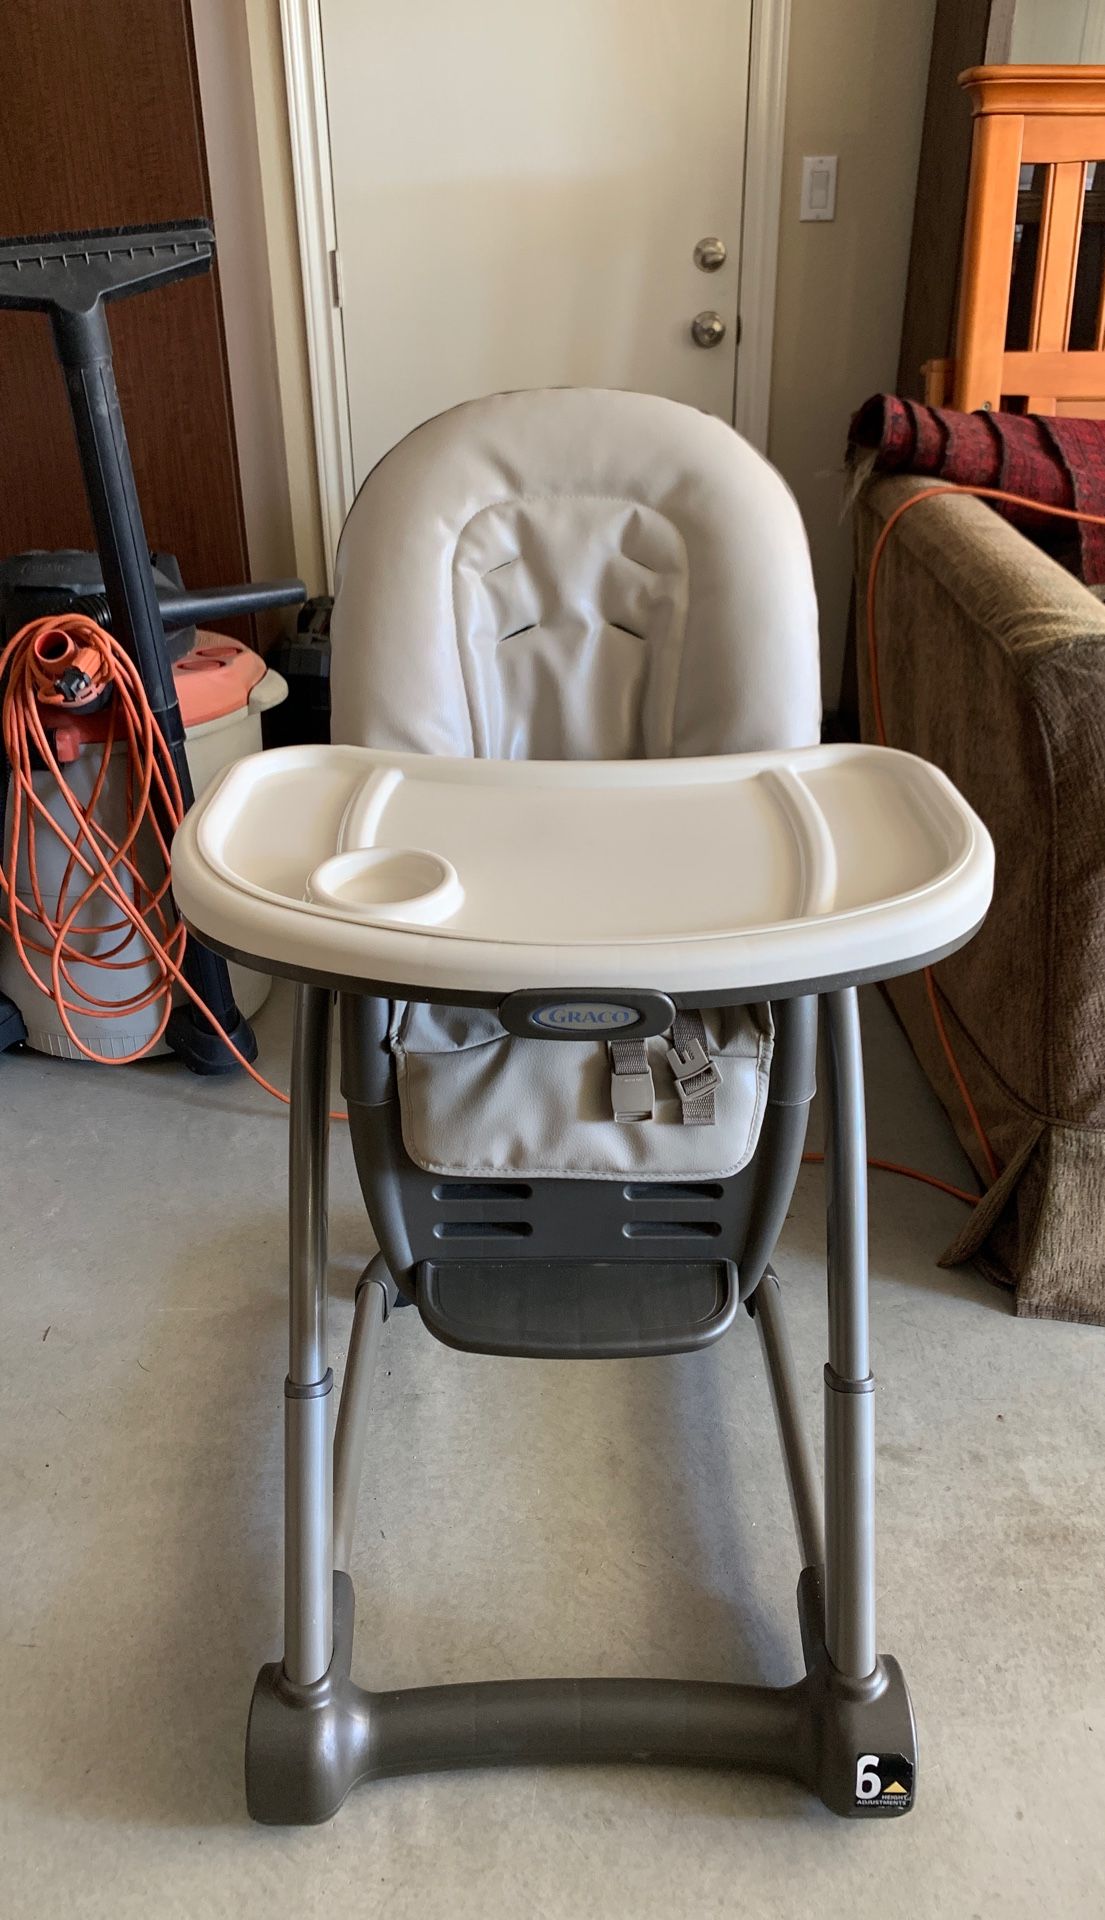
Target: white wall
855,87
266,56
233,166
1058,32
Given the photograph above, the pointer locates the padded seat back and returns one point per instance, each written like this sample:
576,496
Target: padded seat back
574,574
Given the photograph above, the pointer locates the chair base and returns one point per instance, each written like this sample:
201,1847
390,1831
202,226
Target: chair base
852,1743
845,1730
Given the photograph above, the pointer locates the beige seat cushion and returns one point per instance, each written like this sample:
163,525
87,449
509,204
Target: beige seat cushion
573,574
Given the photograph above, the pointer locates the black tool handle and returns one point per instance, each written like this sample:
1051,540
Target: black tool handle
196,606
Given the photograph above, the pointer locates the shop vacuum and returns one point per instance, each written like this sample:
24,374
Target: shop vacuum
140,600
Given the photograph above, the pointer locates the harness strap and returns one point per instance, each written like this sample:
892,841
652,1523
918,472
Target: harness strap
632,1093
696,1075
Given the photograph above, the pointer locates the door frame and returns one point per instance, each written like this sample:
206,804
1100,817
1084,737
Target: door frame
301,33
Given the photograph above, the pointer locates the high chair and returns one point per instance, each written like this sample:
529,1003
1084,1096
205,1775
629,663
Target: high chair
579,874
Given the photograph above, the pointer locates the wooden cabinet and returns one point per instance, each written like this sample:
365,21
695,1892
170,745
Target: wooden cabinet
101,127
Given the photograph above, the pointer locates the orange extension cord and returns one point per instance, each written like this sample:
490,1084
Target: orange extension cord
98,864
31,661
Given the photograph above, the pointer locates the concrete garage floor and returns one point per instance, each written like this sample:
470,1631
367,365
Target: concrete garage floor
616,1519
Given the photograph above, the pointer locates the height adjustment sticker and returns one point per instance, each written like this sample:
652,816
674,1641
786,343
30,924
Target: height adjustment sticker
884,1780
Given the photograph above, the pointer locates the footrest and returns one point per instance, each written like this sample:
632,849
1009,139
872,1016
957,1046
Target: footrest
577,1309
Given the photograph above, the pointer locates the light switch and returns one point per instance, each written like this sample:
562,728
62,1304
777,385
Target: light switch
818,187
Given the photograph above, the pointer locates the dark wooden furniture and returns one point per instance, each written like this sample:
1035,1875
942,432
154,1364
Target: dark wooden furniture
101,127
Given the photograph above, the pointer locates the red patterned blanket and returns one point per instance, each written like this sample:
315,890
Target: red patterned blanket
1058,462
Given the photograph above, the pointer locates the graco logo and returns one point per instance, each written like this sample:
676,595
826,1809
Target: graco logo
584,1016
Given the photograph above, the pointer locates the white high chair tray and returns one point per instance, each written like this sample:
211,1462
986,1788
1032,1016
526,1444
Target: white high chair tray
746,871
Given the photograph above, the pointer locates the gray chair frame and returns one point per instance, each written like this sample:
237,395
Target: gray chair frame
845,1729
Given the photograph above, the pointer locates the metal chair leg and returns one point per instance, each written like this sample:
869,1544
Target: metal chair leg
375,1299
803,1479
849,1385
308,1437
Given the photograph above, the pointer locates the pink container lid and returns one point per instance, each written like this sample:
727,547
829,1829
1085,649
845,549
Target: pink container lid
216,678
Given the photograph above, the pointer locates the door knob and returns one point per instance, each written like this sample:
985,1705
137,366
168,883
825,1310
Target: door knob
710,253
707,329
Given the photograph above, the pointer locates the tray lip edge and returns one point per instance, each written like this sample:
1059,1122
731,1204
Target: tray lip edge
973,837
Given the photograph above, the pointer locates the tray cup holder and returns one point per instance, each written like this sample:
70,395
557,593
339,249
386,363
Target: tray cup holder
388,883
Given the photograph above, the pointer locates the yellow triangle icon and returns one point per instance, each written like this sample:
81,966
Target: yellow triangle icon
894,1787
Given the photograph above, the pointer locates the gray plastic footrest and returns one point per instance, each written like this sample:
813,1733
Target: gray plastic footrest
577,1309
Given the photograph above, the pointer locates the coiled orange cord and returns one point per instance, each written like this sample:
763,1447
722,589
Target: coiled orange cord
98,864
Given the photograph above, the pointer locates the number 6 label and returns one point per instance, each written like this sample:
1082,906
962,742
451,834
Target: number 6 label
884,1781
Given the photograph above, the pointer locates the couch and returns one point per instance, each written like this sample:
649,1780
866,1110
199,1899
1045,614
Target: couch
992,665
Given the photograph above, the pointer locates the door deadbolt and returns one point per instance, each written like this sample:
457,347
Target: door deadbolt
710,254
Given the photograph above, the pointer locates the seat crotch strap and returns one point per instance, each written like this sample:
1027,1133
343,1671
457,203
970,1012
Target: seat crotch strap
632,1093
696,1075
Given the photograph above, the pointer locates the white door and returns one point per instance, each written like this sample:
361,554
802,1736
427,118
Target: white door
519,189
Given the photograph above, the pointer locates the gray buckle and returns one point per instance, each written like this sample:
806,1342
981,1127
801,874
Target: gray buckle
693,1071
633,1096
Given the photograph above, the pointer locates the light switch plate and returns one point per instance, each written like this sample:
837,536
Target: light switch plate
818,187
